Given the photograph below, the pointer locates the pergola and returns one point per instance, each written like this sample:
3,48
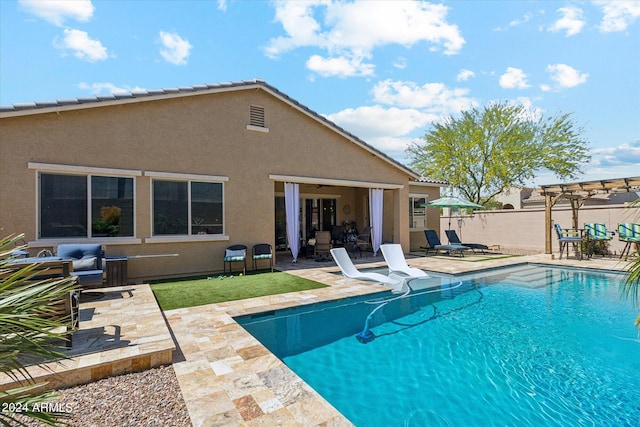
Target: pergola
577,193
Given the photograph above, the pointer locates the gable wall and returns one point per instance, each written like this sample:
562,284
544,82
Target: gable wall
201,134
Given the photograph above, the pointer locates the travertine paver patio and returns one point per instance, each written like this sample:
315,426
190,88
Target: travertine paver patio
226,376
121,330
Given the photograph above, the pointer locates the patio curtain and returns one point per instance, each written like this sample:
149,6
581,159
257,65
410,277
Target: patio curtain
292,208
375,215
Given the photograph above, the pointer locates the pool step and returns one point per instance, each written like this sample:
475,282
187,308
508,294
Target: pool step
534,278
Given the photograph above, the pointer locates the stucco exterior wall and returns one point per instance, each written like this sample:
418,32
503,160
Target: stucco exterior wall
522,231
203,134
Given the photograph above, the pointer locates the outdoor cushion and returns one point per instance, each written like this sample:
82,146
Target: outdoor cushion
235,255
90,263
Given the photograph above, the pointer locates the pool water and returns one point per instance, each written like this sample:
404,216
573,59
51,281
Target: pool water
524,346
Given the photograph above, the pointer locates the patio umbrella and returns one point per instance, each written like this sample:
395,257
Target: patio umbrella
453,202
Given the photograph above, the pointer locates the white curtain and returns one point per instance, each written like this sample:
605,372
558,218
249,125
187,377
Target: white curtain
292,207
375,214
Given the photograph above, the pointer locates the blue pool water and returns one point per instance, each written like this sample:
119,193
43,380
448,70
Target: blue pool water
524,346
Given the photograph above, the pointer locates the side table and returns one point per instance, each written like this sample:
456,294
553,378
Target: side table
116,271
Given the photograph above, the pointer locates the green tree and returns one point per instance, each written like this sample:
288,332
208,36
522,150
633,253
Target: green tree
26,337
485,150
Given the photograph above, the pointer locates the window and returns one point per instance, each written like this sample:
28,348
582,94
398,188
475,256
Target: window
417,212
187,207
79,205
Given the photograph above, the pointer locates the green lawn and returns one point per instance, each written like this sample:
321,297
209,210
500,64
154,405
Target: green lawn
218,288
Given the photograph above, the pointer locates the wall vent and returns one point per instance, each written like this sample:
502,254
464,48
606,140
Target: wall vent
256,116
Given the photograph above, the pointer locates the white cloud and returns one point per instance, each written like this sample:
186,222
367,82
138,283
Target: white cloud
514,78
384,128
57,11
572,21
379,121
400,63
413,108
618,15
106,88
82,46
566,76
222,5
465,75
176,49
624,154
527,16
353,30
433,97
340,67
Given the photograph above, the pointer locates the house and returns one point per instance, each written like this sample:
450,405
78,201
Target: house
191,171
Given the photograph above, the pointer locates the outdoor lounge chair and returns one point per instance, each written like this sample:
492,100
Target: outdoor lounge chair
341,257
435,245
567,236
453,238
396,262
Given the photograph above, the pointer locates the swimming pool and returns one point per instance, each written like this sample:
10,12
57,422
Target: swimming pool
525,346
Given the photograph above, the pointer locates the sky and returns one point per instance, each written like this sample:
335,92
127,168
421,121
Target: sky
385,71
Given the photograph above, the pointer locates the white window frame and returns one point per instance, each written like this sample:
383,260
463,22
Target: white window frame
188,178
413,196
88,172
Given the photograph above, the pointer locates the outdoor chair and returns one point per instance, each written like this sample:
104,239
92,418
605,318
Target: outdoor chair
397,263
453,238
86,261
630,234
566,236
323,245
262,251
435,245
235,253
363,240
337,235
341,257
597,236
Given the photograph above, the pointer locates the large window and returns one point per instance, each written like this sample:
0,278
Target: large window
85,206
187,207
417,212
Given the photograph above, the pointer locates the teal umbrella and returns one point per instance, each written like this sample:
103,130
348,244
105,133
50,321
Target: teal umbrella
453,202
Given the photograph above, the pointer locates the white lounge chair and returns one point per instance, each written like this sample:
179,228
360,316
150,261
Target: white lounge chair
341,257
396,262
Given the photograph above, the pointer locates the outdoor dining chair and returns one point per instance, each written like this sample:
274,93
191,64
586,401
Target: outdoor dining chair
262,251
566,236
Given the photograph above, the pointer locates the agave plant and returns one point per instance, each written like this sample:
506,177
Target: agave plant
28,338
631,284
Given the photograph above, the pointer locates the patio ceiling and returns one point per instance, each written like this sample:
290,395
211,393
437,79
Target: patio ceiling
577,193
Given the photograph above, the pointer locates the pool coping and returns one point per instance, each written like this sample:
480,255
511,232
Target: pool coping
228,377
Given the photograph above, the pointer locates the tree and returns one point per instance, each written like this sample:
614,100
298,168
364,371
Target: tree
26,337
484,151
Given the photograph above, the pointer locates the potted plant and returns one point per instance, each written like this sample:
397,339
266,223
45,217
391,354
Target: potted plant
108,224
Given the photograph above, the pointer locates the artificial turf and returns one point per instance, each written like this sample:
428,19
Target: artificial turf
220,288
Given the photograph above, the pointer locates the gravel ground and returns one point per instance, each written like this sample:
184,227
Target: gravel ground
150,398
